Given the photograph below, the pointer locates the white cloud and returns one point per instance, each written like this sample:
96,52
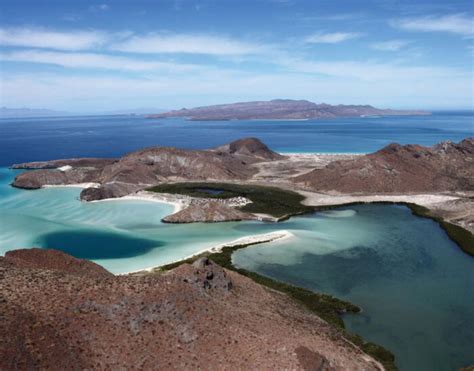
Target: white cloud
332,38
127,42
390,45
76,93
94,61
99,8
454,23
43,38
187,43
370,70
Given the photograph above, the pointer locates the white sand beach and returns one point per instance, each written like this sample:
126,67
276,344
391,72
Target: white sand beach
247,240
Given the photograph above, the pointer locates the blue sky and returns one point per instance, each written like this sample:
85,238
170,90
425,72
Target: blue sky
87,56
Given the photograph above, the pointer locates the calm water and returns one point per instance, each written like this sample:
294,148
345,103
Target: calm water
120,235
415,286
35,139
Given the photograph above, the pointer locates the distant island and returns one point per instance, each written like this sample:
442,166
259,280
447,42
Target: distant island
281,109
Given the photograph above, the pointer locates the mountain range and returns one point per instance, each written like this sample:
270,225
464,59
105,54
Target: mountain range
281,109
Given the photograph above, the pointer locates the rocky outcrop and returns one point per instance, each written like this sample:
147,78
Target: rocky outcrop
280,109
39,178
60,172
250,147
151,166
400,169
196,316
109,190
210,211
96,163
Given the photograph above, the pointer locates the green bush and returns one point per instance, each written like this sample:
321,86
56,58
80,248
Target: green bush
266,200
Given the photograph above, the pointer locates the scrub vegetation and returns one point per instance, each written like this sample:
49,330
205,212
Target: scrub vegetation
266,200
463,238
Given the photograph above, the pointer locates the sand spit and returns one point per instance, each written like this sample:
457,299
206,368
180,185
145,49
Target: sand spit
322,199
77,185
247,240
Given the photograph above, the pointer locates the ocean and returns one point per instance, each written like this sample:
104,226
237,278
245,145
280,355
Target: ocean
34,139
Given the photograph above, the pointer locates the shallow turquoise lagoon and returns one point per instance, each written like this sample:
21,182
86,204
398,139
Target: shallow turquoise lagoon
122,236
415,285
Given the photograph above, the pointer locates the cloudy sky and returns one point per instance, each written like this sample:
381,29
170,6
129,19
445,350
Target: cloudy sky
86,56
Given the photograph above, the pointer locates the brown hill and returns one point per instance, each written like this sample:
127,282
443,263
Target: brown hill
196,316
394,169
280,109
152,166
208,212
52,260
251,147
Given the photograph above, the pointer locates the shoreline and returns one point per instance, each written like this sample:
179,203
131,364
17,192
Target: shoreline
178,203
316,199
254,239
75,185
322,153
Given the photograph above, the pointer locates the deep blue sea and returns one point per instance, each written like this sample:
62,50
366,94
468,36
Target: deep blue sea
34,139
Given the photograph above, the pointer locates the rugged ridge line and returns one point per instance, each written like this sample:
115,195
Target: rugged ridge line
147,167
396,168
281,109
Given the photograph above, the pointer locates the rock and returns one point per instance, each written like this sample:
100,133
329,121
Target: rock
108,190
201,263
39,178
210,211
96,163
209,275
312,361
252,147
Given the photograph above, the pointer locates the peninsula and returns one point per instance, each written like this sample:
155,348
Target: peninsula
282,109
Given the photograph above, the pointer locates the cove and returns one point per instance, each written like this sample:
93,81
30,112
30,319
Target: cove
415,286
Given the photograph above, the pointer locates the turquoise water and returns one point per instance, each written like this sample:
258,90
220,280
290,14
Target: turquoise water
416,287
121,235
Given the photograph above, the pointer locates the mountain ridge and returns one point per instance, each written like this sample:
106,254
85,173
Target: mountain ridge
281,109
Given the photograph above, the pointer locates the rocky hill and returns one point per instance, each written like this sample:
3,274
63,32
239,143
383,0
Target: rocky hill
151,166
281,109
73,162
399,168
208,212
200,316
